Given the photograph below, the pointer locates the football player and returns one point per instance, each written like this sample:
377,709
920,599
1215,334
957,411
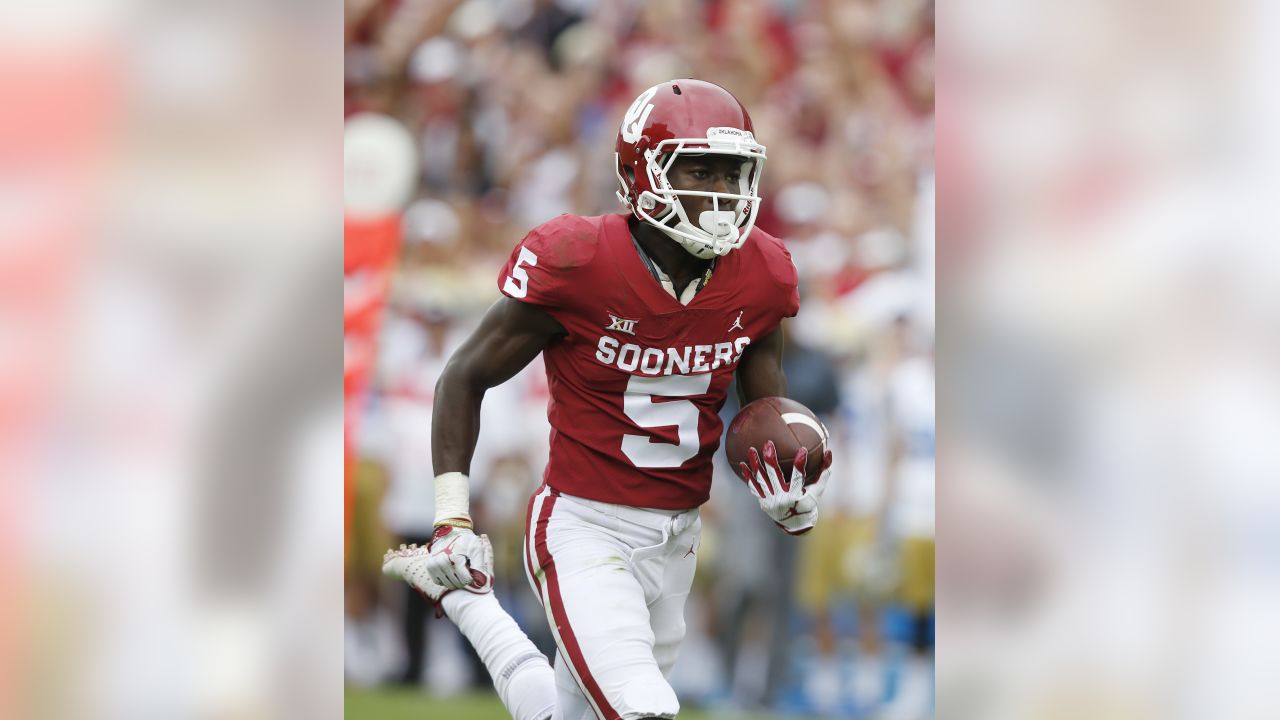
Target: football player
643,319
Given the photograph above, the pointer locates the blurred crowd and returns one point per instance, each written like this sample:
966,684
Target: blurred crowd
514,106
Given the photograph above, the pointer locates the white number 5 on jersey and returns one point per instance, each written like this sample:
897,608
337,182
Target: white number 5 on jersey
517,284
638,404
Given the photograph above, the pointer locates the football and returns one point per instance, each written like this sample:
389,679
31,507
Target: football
788,424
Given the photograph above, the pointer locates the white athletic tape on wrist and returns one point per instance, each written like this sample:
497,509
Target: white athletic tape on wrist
453,497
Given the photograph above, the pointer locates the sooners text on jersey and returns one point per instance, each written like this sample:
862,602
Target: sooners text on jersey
638,380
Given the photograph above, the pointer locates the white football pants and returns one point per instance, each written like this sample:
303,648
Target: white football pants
613,581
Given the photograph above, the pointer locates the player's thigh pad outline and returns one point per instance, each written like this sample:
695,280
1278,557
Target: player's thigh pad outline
665,572
580,561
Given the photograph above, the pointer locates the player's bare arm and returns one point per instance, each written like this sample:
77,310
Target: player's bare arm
510,335
760,370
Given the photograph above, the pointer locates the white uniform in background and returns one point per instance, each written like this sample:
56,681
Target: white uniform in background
911,408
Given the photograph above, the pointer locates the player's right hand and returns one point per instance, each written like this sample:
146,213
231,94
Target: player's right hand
450,554
788,502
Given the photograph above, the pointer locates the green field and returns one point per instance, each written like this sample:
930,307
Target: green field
398,704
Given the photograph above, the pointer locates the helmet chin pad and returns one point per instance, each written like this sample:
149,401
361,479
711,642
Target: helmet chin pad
717,230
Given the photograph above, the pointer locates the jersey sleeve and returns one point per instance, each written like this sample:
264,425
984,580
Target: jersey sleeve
542,266
527,277
784,274
792,289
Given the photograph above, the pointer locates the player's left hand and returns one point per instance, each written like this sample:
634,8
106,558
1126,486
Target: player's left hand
788,502
449,562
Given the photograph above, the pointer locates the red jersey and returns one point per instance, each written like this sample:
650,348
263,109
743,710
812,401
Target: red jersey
638,380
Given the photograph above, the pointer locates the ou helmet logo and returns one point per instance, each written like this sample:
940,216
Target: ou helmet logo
633,122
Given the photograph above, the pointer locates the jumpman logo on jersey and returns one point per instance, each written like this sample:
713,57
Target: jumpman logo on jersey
691,552
737,323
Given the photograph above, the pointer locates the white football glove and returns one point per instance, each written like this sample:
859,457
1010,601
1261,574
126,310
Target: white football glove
452,553
409,563
789,503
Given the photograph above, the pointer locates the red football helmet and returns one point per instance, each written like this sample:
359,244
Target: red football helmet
688,117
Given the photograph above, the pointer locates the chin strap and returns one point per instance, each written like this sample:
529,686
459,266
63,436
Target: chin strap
698,250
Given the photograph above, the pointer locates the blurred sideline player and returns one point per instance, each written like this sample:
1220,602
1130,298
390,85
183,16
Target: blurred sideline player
910,509
642,319
853,554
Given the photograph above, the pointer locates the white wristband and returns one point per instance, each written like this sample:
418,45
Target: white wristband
453,497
